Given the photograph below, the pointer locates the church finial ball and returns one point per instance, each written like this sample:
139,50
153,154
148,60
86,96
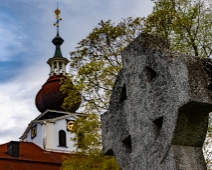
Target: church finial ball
57,13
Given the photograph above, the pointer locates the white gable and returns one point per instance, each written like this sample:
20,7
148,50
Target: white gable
47,133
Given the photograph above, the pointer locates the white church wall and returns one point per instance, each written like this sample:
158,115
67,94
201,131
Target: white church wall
47,136
38,139
28,138
50,135
61,125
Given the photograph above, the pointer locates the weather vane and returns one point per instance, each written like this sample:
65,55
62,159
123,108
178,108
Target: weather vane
57,13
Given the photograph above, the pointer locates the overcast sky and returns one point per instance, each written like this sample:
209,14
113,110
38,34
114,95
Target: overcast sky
26,32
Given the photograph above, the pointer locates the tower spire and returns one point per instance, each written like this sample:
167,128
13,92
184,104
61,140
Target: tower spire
57,41
50,97
57,62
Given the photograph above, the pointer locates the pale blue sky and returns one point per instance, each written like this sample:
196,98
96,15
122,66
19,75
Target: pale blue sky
26,31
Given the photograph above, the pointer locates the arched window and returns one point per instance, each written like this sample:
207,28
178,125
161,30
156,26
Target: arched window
62,138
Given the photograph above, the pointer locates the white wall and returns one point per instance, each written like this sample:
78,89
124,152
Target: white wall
38,140
50,131
61,125
50,135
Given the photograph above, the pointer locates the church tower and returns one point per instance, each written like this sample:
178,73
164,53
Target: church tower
51,130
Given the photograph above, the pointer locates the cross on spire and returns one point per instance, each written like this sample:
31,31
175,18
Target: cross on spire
57,63
58,19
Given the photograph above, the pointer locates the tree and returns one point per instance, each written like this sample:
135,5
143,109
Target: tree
95,65
185,24
88,154
97,61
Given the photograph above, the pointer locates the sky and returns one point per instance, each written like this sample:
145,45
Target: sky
26,32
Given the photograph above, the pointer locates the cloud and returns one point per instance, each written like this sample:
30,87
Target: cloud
26,33
17,107
12,38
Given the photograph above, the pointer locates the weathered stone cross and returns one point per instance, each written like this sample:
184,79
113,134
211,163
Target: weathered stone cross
158,113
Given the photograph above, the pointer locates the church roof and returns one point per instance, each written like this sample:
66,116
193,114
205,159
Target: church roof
50,96
30,157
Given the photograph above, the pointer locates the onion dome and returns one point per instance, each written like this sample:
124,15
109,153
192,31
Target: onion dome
50,97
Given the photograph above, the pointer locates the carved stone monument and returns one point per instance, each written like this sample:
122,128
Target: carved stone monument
158,113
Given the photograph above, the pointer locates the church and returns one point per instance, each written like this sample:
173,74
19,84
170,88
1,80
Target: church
47,137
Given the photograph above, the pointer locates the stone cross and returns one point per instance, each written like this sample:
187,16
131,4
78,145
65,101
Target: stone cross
158,113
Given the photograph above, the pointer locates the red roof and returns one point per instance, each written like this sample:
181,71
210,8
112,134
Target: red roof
31,157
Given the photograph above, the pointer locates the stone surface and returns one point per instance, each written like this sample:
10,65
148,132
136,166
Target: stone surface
158,113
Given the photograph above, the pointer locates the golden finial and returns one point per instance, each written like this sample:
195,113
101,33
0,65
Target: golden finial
57,13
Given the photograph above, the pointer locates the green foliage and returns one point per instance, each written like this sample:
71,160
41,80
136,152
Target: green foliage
73,99
95,65
185,24
97,60
88,154
87,136
89,162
